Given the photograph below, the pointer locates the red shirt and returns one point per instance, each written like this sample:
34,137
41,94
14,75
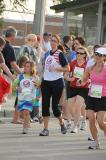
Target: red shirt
74,64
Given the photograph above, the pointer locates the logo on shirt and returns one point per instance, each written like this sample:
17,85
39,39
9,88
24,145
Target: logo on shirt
26,83
49,60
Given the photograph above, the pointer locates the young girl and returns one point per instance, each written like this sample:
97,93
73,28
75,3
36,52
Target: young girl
16,116
26,86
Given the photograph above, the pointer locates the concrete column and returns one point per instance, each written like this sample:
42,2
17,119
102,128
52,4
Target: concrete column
65,24
39,17
99,22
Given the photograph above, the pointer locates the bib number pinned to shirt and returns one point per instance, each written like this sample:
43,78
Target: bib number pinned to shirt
78,72
96,91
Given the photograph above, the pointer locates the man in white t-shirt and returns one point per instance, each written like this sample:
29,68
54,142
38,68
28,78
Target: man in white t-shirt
46,42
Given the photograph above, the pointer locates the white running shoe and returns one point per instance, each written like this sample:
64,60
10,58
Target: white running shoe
83,125
94,145
25,131
74,130
67,124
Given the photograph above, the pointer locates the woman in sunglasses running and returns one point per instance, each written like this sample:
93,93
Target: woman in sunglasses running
78,92
96,103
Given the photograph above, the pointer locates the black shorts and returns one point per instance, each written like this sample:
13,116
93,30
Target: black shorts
67,86
83,92
96,104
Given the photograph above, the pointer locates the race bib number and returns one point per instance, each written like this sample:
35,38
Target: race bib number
78,72
96,91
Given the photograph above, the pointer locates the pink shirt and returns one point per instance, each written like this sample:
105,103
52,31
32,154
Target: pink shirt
99,79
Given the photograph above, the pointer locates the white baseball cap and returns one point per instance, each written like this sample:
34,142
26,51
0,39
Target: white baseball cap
101,51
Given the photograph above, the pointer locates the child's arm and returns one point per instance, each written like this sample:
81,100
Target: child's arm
15,84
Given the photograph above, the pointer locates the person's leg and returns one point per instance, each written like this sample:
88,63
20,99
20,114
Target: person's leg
93,128
56,95
92,124
46,95
32,113
70,108
16,114
26,117
83,119
101,120
79,102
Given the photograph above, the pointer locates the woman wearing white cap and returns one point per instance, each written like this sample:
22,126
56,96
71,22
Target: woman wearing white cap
96,104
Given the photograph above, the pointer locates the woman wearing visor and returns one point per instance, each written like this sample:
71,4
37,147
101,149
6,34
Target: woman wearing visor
96,103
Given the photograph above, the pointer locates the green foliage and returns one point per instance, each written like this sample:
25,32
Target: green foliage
15,4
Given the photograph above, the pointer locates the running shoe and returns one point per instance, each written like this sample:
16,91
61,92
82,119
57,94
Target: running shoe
94,145
36,119
83,125
67,124
45,132
25,131
74,130
90,139
63,129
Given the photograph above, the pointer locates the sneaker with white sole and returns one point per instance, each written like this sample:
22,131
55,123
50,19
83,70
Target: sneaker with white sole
83,126
45,132
67,124
94,145
90,139
74,130
63,129
25,131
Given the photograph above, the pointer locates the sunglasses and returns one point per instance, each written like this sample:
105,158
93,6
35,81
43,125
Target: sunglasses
52,40
99,55
80,53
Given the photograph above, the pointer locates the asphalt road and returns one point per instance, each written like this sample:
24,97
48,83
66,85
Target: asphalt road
15,146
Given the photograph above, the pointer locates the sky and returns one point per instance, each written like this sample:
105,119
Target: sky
26,17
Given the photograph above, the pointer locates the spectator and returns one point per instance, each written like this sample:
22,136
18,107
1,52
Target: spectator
28,49
46,46
68,44
8,51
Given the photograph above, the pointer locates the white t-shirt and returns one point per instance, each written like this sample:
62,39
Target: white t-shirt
52,61
90,62
46,46
27,89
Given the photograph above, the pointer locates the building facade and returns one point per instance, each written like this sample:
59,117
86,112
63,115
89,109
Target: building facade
93,13
53,24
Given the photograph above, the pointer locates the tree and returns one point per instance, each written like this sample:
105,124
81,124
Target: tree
14,3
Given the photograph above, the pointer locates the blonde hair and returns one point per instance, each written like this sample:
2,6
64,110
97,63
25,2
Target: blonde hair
90,50
30,37
33,67
85,51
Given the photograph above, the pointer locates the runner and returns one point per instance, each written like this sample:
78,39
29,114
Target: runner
78,93
96,103
53,84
